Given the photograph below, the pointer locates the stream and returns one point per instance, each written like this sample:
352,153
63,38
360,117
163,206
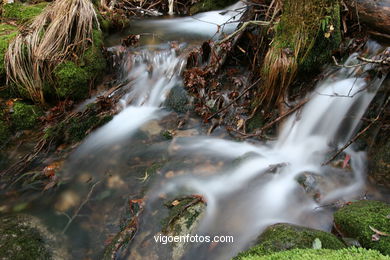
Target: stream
247,185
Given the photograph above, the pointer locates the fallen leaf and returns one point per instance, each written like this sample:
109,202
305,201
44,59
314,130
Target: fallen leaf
175,203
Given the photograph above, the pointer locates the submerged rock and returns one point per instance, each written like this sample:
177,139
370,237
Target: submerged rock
25,237
352,253
284,236
360,220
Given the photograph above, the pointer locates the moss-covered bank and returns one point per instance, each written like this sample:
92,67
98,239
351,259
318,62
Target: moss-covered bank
322,254
357,220
22,13
283,236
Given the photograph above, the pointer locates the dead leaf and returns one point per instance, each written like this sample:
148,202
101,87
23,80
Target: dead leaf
375,237
175,203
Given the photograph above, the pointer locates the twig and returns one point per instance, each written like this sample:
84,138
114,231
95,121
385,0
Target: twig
385,61
284,115
232,102
358,134
76,213
347,66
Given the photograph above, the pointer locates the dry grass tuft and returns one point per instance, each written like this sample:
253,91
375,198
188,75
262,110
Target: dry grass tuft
62,31
294,38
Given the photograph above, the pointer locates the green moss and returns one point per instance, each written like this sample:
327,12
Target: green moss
72,81
355,220
22,12
306,26
75,129
322,254
25,116
208,5
7,33
19,240
78,129
326,40
280,237
4,132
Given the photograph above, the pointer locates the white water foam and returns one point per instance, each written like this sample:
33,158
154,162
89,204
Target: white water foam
244,200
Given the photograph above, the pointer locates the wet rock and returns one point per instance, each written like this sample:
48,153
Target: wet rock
322,254
317,184
25,237
185,215
283,236
178,100
359,219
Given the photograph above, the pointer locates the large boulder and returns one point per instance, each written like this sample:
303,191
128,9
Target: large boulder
362,220
284,236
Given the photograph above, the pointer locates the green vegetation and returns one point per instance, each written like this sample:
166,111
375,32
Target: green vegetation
322,254
22,12
280,237
25,116
356,219
7,33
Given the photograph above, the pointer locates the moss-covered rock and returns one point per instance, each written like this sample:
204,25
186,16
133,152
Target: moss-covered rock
72,81
184,217
76,128
25,116
352,253
282,236
22,12
7,33
178,100
355,220
24,237
208,5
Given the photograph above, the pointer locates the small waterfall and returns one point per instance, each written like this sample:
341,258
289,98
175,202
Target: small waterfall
263,188
148,74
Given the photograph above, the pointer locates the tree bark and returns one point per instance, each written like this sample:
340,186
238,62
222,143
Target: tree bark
375,14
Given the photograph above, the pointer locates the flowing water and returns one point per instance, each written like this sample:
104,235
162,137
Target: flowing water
260,188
